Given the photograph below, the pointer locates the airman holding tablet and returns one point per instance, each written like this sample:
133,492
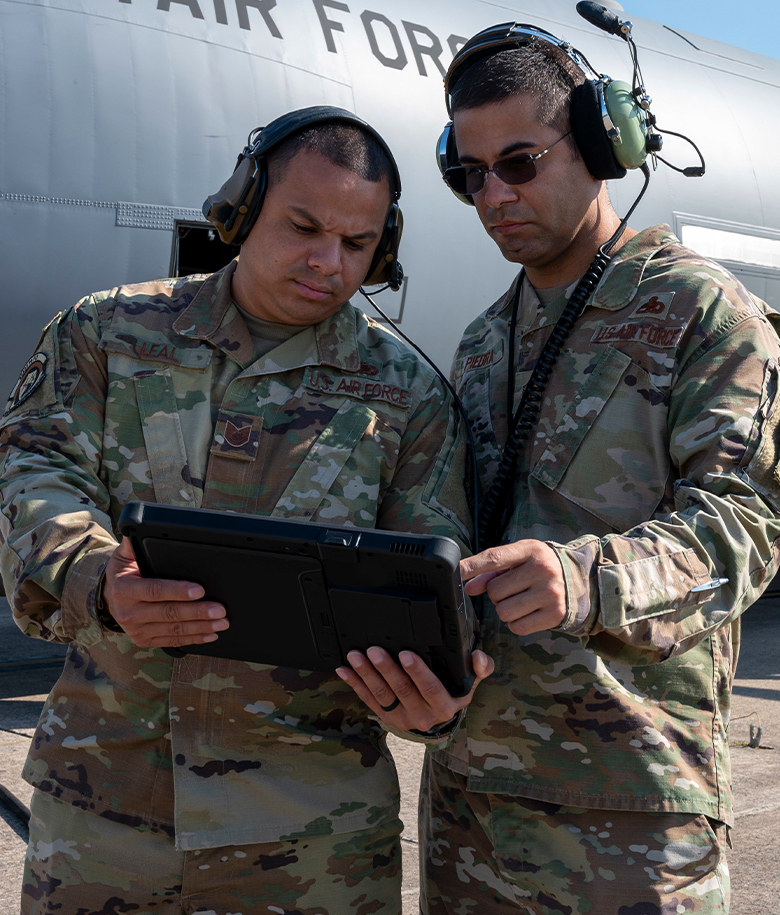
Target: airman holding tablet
201,782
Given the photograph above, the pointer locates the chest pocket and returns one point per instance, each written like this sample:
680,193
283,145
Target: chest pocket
610,452
340,478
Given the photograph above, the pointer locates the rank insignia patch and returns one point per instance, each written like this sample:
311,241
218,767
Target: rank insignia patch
654,306
235,436
31,377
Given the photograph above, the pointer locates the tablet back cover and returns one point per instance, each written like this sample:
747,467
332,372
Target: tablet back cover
302,594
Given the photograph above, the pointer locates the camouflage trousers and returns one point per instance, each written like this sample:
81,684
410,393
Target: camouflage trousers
82,864
491,854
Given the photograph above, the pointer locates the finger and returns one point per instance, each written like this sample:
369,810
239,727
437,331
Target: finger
353,679
483,666
124,553
159,636
516,596
158,590
538,621
534,581
124,579
479,584
495,559
433,694
365,666
133,615
434,691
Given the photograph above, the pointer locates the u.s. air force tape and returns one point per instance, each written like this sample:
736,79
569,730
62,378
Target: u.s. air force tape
30,378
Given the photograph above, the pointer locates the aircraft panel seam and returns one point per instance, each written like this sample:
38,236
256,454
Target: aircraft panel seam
128,215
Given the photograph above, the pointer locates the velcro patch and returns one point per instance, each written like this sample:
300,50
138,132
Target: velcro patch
356,386
237,436
30,378
480,360
654,306
165,352
652,334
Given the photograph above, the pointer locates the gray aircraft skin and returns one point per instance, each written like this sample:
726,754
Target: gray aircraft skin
118,117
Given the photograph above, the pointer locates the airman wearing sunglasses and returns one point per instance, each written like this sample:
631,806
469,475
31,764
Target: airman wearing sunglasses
634,520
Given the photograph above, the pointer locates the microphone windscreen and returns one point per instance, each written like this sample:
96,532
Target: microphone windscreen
600,16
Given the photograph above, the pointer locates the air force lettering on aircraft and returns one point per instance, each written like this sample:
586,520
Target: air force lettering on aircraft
382,33
118,117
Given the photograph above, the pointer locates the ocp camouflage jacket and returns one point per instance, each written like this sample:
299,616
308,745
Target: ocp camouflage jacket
653,471
341,423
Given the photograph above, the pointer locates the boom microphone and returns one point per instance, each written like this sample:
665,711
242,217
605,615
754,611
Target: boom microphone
602,18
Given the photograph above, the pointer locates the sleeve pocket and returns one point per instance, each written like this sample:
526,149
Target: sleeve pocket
763,469
657,585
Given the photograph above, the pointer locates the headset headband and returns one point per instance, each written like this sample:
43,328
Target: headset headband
611,122
503,36
234,209
263,139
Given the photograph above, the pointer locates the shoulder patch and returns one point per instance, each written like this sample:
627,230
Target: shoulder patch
30,378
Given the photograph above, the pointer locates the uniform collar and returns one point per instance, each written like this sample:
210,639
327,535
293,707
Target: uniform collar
212,316
621,279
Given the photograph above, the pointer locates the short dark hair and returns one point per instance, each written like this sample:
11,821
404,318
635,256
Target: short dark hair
345,145
535,68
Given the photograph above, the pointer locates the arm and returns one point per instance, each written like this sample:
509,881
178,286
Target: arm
55,528
654,591
65,576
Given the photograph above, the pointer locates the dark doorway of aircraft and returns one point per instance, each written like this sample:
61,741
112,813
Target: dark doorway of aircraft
198,249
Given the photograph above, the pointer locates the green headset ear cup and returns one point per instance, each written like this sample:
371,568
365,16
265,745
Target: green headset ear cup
385,268
631,149
589,134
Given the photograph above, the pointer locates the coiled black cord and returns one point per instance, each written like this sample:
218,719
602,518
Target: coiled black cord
498,503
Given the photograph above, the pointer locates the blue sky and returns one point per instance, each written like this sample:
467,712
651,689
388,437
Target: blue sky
755,26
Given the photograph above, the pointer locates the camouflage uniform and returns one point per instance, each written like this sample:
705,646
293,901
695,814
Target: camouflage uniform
341,423
653,470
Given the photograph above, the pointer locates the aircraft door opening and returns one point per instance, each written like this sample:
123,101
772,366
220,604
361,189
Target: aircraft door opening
197,248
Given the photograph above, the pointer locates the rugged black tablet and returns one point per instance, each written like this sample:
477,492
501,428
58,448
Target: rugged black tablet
302,595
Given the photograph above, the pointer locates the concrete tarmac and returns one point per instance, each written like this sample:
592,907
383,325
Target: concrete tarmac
755,770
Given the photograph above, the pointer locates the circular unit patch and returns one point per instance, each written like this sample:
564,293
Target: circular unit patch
30,379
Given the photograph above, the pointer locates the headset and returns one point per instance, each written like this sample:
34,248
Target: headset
614,131
611,122
234,209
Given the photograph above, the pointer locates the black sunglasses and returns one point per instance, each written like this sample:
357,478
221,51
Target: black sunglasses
518,169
